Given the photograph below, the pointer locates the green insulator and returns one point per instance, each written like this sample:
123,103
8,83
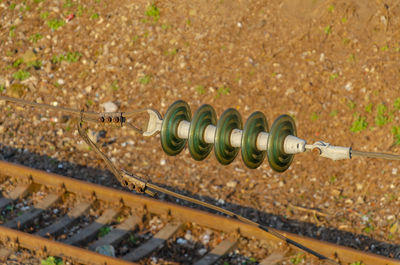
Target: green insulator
228,121
255,124
283,126
203,117
170,142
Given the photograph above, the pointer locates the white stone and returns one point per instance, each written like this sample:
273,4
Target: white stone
231,184
181,241
109,106
107,250
348,86
202,251
188,235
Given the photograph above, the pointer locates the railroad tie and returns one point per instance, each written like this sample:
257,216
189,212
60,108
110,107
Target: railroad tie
274,258
118,233
16,193
218,252
65,221
39,207
90,231
156,242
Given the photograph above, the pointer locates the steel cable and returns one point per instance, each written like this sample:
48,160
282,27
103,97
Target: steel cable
117,173
375,155
88,116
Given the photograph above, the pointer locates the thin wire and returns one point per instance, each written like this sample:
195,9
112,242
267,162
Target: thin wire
75,112
117,173
88,116
242,219
375,155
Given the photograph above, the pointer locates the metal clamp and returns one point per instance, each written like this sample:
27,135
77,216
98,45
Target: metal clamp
154,123
330,151
134,182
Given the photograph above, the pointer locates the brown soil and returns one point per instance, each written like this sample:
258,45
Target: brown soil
326,63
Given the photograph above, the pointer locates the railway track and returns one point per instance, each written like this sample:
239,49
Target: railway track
51,215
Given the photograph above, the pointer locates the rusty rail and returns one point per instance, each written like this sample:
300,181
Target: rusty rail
184,214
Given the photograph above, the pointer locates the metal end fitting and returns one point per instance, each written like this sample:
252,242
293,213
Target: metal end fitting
330,151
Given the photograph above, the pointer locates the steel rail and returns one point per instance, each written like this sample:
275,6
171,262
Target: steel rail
54,248
227,225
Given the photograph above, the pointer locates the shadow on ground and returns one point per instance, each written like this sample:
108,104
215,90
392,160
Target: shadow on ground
333,235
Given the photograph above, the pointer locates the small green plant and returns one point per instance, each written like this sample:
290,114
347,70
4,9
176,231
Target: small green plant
55,24
52,261
57,59
37,64
70,57
95,16
368,108
346,41
357,263
332,179
11,33
12,6
133,239
352,58
44,15
314,116
223,91
396,104
331,8
35,37
351,104
80,11
396,134
145,80
381,117
104,231
135,38
68,4
344,20
333,76
73,57
253,260
328,29
200,89
17,62
21,75
153,11
297,259
2,87
369,228
115,86
333,113
359,124
384,48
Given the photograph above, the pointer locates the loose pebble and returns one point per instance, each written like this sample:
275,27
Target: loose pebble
107,250
109,107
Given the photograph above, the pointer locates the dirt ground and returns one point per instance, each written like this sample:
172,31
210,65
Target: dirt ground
332,65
